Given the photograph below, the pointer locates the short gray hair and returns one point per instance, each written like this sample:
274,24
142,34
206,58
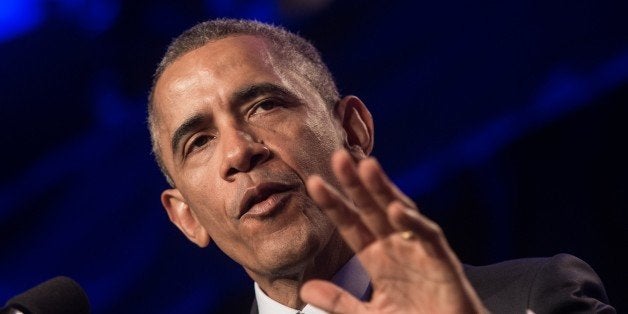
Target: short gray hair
288,47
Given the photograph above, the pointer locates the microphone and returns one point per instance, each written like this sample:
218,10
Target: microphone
55,296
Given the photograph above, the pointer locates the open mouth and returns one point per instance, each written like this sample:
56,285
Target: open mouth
263,199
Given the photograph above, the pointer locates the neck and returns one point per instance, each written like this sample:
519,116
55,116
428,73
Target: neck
285,287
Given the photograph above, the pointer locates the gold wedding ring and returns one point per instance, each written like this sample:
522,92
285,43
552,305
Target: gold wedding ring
407,235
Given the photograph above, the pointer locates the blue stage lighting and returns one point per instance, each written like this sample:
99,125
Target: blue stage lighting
18,17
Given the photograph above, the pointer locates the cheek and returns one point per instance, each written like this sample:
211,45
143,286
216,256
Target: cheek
309,146
198,175
321,138
207,198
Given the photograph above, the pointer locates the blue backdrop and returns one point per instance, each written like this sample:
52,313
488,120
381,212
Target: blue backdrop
505,121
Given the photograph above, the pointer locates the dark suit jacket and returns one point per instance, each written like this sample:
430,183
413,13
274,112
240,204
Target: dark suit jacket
559,284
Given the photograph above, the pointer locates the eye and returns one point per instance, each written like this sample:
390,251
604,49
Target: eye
198,143
265,105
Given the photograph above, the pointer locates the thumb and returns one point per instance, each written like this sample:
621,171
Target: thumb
329,297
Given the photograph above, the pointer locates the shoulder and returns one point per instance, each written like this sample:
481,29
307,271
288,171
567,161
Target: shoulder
559,284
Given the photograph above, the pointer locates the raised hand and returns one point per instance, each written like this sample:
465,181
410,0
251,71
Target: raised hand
411,266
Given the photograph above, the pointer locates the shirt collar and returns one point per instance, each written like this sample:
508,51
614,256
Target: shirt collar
351,277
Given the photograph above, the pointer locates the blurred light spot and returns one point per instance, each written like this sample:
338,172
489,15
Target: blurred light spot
109,105
92,15
18,17
561,93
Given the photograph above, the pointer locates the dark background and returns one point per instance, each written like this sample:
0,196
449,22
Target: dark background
504,120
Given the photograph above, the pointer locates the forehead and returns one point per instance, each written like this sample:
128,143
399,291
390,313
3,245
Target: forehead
221,56
214,63
207,75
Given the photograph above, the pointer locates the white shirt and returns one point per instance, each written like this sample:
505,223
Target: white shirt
352,277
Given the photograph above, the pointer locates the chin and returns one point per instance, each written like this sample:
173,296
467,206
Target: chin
301,234
288,253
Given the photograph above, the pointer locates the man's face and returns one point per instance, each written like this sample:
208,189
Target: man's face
239,136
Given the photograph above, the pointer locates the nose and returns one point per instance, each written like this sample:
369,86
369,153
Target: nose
241,153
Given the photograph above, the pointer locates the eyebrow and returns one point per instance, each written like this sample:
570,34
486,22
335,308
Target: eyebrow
190,124
253,91
239,97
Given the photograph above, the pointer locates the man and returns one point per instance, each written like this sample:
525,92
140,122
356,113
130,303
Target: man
268,161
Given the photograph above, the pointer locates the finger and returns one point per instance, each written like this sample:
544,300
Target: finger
372,214
380,187
427,232
329,297
339,211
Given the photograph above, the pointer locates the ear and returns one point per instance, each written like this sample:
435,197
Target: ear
183,217
357,123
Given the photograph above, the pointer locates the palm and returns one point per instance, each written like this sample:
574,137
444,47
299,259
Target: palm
416,274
